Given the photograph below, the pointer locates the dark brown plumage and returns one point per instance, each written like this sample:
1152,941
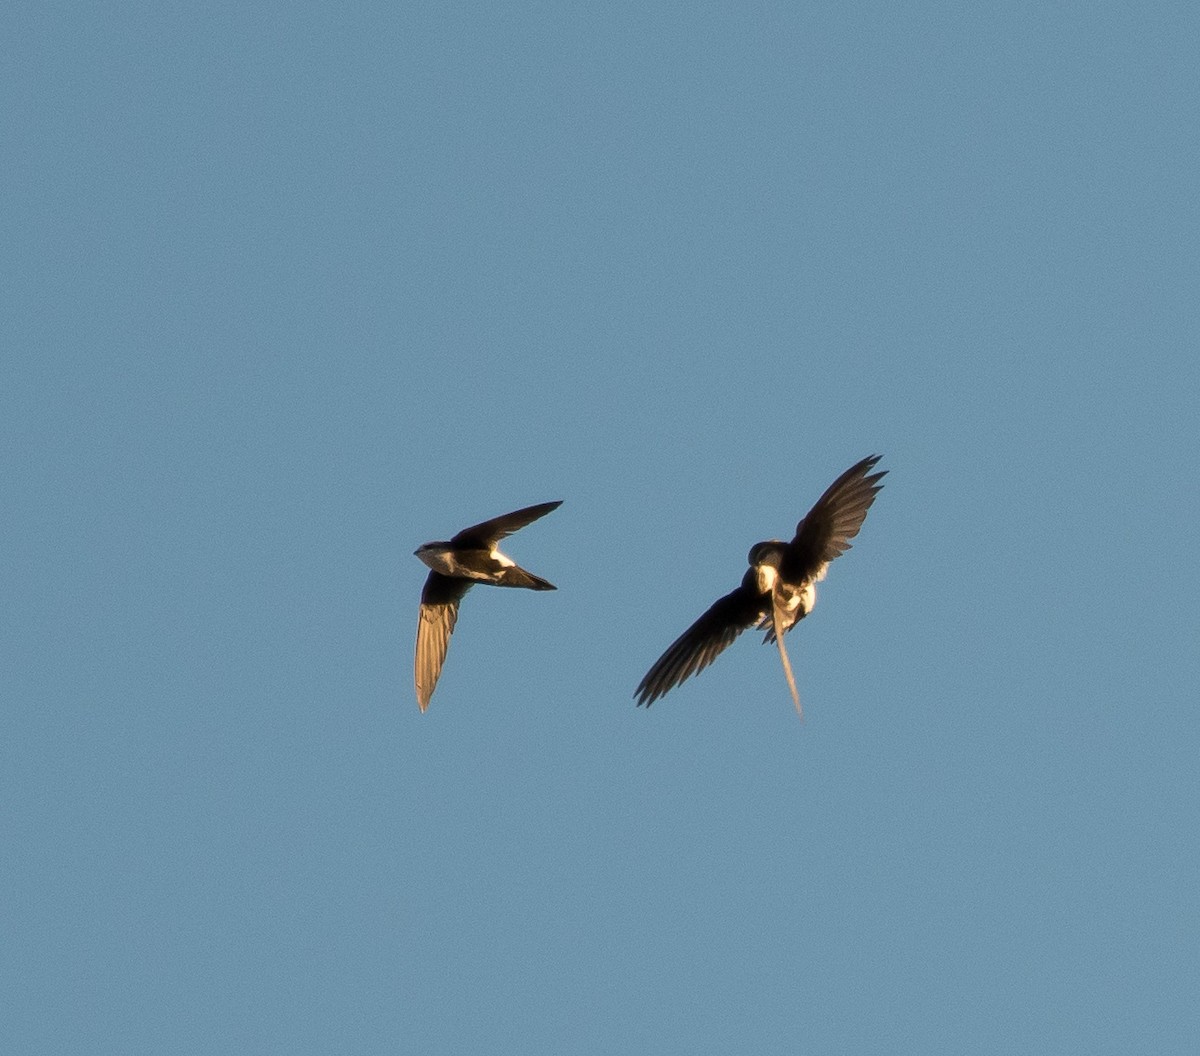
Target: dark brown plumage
780,584
457,564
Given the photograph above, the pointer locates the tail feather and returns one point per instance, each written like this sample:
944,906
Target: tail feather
518,577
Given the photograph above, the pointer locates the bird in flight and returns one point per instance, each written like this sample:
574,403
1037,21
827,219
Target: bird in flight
779,588
458,564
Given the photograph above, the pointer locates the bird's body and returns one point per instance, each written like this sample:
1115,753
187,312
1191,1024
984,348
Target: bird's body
456,565
479,566
779,588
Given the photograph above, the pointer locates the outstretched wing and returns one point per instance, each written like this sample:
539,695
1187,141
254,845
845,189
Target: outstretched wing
826,530
486,535
703,641
439,612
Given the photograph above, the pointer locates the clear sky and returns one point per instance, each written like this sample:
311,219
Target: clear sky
292,288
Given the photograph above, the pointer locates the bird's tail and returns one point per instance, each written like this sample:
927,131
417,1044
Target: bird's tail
767,623
518,577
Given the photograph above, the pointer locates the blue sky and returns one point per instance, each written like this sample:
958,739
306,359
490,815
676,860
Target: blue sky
291,289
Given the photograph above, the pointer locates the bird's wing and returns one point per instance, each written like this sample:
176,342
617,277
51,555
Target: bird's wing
487,534
439,613
826,530
702,642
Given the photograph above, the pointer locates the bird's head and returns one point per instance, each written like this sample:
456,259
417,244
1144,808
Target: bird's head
764,558
433,555
769,553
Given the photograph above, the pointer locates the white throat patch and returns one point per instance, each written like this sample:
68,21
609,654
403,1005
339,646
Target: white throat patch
765,575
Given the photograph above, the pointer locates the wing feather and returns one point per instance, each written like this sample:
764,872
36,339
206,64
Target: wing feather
487,534
703,641
826,530
439,613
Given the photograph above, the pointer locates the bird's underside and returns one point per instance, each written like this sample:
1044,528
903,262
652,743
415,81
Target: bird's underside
471,557
778,589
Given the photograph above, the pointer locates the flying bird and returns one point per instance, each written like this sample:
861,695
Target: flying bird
458,564
779,588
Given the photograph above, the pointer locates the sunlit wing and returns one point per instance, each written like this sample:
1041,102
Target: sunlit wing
439,612
826,530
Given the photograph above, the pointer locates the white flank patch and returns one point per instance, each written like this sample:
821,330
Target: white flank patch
803,599
808,596
495,555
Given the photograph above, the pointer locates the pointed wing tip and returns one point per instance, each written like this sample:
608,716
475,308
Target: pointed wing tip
488,533
424,696
645,695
